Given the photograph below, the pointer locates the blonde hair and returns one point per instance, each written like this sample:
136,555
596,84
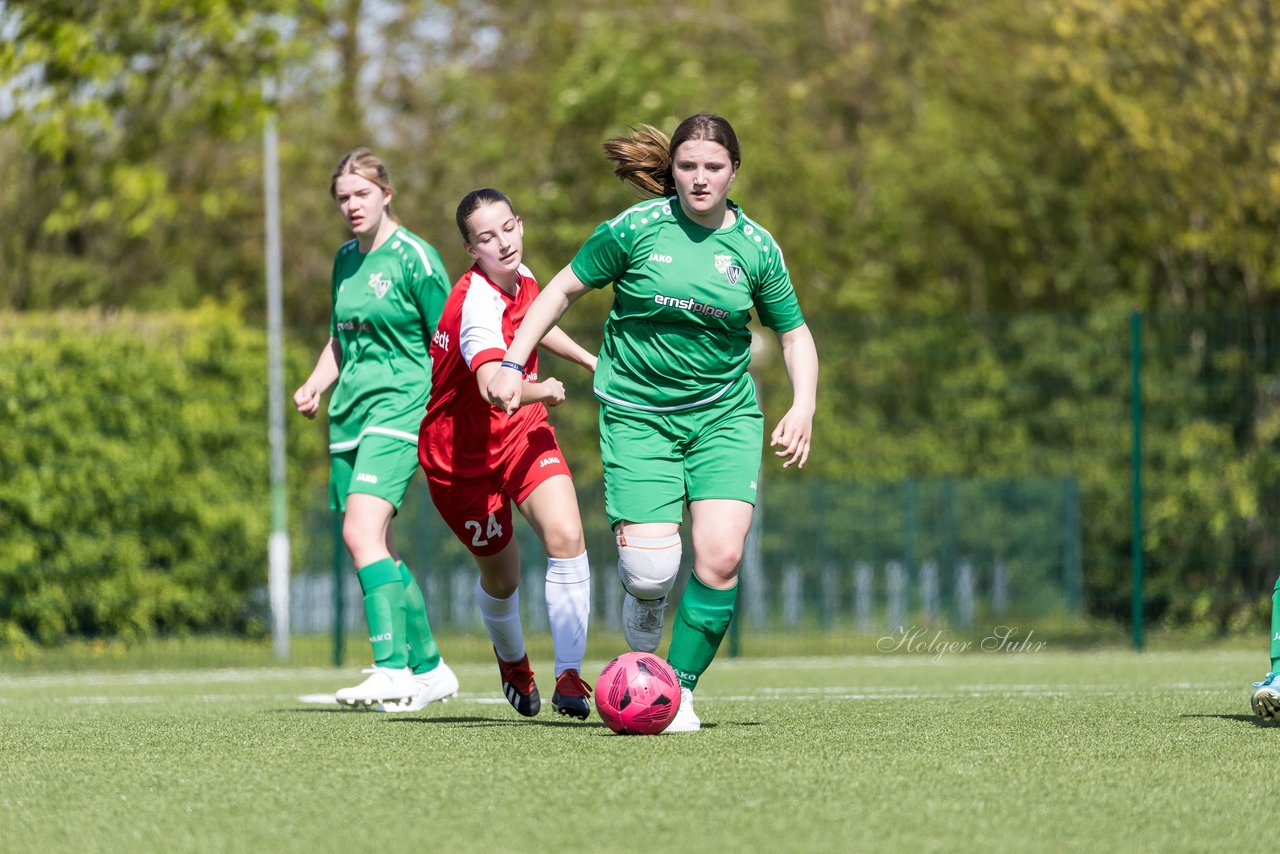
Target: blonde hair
643,157
367,165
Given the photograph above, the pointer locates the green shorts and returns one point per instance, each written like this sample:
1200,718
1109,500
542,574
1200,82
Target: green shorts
656,461
379,465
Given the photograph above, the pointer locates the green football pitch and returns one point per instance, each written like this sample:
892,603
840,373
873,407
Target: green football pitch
1089,751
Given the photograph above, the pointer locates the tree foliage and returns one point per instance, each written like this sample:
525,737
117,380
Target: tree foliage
914,157
138,186
972,198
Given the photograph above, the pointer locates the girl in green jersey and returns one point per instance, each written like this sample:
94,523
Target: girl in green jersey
679,421
389,286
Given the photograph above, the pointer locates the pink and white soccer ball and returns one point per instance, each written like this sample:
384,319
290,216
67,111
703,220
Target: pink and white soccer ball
637,694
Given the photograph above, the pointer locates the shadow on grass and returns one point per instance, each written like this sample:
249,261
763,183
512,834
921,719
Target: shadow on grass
474,721
1249,719
552,722
462,720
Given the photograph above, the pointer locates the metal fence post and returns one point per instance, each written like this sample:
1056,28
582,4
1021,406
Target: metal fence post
1135,336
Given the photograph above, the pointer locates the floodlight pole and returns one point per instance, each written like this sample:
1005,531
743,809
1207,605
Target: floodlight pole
278,543
1136,604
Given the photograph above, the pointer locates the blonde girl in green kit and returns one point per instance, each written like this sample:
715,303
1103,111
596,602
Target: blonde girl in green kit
388,288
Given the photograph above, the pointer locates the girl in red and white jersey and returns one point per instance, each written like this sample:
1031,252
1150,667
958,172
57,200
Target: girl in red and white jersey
479,459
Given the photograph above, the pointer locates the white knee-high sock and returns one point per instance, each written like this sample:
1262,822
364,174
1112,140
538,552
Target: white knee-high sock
568,607
502,622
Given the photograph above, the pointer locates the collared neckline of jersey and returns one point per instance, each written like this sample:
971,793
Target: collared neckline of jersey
677,211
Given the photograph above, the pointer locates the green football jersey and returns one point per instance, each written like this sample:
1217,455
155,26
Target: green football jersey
677,335
385,307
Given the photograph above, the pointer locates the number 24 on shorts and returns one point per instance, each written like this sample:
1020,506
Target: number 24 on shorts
492,528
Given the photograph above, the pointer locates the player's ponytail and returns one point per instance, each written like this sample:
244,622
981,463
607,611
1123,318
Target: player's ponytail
643,160
643,157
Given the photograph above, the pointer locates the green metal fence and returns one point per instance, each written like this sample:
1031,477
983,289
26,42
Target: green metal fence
826,556
1120,466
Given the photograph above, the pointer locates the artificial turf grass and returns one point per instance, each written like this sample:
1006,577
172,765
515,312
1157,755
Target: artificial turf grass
1071,751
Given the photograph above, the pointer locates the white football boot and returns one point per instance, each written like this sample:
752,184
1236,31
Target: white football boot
686,719
385,684
436,685
642,622
1266,697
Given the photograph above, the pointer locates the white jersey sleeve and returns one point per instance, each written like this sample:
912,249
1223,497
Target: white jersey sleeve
481,327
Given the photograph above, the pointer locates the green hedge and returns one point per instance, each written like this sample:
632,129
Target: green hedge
134,496
135,499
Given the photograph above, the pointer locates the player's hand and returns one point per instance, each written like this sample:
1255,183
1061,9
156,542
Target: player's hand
792,434
503,389
554,390
307,399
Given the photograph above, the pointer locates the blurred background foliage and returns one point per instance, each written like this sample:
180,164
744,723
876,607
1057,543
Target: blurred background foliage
912,156
972,198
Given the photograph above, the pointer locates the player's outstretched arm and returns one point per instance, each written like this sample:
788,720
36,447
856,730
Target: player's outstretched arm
505,387
560,343
792,435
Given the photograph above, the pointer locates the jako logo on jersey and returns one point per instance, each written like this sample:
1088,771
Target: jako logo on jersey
661,259
379,284
547,461
732,272
691,305
441,339
382,637
364,477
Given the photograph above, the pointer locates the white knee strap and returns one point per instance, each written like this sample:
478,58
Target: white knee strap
648,566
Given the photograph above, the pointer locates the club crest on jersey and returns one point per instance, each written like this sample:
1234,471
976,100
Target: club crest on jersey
731,271
380,284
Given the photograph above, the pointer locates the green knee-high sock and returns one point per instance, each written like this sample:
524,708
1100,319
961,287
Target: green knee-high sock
701,621
1275,628
424,653
384,608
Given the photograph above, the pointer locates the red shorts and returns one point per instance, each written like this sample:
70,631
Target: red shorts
479,511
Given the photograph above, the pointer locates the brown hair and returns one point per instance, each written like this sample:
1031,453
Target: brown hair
472,202
643,157
367,165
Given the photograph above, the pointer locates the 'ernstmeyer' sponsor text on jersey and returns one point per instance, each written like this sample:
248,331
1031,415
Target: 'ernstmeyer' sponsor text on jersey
677,337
